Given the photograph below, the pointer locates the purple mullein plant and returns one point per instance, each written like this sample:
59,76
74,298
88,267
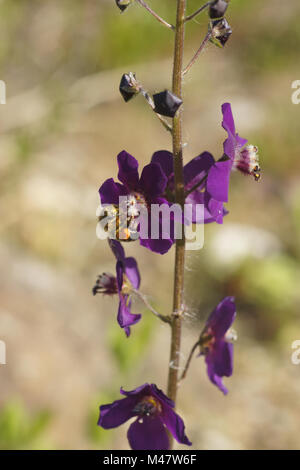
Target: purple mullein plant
154,414
166,181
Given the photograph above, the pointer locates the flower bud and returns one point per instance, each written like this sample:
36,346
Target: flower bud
218,9
221,32
123,4
129,86
166,103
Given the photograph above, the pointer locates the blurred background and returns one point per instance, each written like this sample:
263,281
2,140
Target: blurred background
61,129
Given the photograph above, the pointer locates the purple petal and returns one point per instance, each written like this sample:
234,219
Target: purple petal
228,121
111,191
128,170
125,317
165,160
132,272
120,275
161,396
153,181
233,141
157,246
215,208
218,180
142,390
219,363
175,425
221,319
195,170
116,413
117,249
148,434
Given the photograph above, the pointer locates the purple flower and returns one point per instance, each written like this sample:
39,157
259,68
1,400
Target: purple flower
141,192
154,413
127,277
236,156
214,343
194,172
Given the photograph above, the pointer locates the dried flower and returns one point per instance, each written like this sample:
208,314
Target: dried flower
166,103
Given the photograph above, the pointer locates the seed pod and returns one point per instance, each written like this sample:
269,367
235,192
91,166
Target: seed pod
221,32
166,103
123,4
218,9
129,86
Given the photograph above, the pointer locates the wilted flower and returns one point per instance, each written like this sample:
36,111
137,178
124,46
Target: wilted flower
166,103
214,342
154,413
141,192
127,277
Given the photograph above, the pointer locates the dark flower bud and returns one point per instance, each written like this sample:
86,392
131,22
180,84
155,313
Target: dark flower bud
218,9
129,86
166,103
221,32
123,4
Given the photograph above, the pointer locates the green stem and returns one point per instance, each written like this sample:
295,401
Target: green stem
179,199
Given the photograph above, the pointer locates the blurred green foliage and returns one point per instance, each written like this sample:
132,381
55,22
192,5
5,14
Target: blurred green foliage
21,430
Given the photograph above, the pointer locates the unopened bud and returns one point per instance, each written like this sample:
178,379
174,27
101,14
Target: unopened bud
220,31
129,86
166,103
123,4
218,9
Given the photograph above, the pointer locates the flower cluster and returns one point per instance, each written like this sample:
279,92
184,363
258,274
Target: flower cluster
206,183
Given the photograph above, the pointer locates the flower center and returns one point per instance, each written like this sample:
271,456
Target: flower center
247,161
148,406
207,341
122,220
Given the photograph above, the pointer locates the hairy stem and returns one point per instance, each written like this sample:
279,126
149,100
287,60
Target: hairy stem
161,20
194,59
143,297
179,199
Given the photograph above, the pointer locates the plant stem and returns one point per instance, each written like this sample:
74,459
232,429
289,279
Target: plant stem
203,44
196,13
188,363
179,199
143,297
161,20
